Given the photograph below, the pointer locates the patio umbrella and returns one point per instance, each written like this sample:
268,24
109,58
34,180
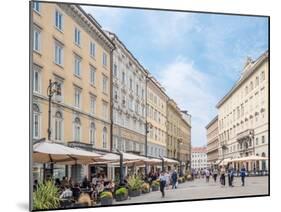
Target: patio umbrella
170,161
47,151
249,158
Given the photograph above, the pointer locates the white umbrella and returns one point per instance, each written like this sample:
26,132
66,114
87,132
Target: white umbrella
46,151
171,161
249,158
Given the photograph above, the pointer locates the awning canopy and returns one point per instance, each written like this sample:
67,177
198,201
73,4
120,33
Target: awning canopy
48,151
170,161
249,158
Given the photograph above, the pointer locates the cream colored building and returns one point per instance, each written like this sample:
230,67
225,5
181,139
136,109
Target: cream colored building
184,153
70,48
129,100
156,106
212,141
243,115
199,158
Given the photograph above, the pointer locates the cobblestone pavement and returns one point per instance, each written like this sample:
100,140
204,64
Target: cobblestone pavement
199,189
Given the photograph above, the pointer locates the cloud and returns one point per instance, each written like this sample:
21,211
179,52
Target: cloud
190,88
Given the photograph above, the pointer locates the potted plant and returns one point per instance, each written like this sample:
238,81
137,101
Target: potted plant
134,184
46,196
145,188
121,194
106,198
155,185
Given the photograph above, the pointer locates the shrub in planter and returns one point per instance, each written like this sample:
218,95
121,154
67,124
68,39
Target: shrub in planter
106,198
134,184
180,180
145,188
46,196
121,194
189,177
155,185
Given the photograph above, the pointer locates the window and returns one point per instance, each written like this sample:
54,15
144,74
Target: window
77,65
257,141
58,20
263,139
92,75
137,89
104,59
77,129
123,77
92,104
104,84
251,86
104,137
58,53
36,81
92,49
77,97
142,93
92,134
262,76
36,121
257,81
36,6
131,84
36,39
246,90
104,110
58,126
77,36
115,70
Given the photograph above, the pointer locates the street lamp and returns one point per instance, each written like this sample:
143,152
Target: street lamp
53,88
148,126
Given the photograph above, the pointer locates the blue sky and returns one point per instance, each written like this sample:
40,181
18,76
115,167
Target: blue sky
197,57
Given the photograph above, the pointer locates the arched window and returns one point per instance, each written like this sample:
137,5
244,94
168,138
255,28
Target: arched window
257,81
77,129
92,134
36,121
58,126
104,137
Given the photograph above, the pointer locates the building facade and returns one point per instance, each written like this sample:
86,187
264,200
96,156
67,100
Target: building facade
187,137
212,141
199,158
70,49
129,100
156,106
243,115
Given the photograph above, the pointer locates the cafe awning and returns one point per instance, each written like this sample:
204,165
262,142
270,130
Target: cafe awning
249,158
48,151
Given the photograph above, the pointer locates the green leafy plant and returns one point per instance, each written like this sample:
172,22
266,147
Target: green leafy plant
155,183
134,183
106,195
46,196
121,192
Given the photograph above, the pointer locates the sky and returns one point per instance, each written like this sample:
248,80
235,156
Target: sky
197,57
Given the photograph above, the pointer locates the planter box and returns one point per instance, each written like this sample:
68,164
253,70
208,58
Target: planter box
134,193
106,201
155,188
144,192
121,198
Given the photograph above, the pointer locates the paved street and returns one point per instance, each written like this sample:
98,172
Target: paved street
199,189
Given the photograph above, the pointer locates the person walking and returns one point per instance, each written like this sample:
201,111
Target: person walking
222,175
242,175
215,174
162,179
230,173
207,174
174,179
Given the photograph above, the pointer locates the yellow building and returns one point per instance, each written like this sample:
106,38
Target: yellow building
243,115
173,129
184,153
156,104
212,141
70,48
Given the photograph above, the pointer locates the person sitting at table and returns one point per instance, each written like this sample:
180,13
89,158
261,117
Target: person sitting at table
100,186
94,180
85,182
57,182
76,191
67,193
71,182
94,194
110,186
64,181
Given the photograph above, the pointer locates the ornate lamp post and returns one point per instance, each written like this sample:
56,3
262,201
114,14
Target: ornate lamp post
53,88
148,126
